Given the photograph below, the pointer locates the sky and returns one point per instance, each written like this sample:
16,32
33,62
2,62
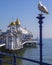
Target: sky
26,11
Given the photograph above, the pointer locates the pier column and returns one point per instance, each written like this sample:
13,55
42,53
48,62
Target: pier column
14,61
0,59
40,17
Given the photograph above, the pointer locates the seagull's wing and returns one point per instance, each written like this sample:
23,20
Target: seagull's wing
45,9
40,6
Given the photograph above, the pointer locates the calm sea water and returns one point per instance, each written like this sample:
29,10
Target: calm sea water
47,50
33,53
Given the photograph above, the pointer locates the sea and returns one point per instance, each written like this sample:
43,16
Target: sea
34,53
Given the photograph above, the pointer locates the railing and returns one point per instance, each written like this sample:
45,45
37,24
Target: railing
15,57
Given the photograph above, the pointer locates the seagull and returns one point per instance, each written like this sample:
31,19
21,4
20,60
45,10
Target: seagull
42,8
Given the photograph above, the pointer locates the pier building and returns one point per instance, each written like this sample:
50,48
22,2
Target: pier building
14,36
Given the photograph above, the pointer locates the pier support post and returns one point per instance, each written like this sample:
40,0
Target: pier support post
0,59
14,61
40,17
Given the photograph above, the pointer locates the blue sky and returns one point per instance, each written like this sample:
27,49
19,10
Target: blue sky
26,11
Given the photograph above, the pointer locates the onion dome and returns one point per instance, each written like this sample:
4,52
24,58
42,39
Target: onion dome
12,24
17,22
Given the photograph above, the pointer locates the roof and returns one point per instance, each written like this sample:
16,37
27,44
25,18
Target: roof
17,22
3,34
12,24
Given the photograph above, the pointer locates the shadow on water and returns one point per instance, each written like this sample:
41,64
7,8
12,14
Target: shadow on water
10,59
24,52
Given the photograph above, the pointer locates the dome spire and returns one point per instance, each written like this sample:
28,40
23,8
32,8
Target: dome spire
17,22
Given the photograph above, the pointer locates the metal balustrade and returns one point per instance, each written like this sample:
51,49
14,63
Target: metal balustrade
15,57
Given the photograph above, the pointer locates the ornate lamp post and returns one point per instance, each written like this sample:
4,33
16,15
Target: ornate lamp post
40,17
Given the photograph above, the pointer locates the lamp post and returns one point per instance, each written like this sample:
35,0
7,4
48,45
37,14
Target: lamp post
40,17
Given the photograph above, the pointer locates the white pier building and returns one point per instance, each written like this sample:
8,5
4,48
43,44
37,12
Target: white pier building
15,35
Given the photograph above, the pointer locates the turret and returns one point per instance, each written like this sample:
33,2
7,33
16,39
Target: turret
0,31
12,26
17,24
